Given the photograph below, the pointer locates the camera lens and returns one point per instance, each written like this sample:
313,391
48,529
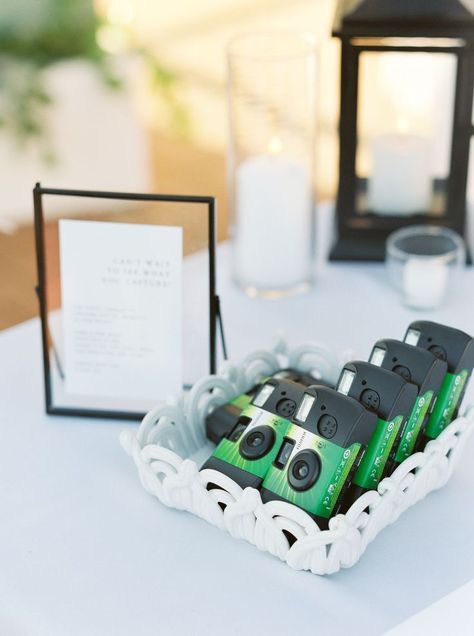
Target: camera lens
255,439
304,470
300,469
257,442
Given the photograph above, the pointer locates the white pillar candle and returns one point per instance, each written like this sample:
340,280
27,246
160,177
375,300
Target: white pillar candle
401,179
424,282
274,205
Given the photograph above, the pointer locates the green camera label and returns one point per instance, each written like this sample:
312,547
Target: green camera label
448,398
413,426
241,401
335,468
377,453
228,451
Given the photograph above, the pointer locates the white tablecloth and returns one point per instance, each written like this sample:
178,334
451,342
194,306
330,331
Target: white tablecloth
85,551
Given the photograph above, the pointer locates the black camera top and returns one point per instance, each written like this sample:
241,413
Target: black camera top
287,375
318,409
379,390
452,345
416,365
221,420
280,397
300,377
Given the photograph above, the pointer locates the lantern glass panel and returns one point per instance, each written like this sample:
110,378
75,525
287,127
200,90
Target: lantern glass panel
404,131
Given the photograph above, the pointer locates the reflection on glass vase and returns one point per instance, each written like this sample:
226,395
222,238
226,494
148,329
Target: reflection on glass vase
272,82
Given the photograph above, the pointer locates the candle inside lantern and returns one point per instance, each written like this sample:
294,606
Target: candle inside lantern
274,206
401,180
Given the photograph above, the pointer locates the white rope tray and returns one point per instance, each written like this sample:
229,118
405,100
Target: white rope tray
171,433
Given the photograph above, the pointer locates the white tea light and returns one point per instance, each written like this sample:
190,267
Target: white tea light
425,282
421,260
273,195
401,179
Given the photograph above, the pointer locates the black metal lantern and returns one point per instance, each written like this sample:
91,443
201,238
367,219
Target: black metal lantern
407,81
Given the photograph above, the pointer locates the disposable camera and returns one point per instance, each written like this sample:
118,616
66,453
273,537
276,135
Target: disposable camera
425,370
391,398
322,447
249,448
297,444
456,348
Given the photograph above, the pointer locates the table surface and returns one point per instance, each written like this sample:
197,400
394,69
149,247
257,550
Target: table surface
85,551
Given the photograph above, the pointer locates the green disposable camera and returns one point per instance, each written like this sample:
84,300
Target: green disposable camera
249,448
320,452
427,372
391,398
456,348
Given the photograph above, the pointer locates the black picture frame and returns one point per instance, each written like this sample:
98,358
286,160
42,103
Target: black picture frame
215,317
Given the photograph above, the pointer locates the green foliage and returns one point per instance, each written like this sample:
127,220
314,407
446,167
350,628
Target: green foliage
46,31
34,34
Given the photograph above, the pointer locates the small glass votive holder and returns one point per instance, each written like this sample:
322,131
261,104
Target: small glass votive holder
423,262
